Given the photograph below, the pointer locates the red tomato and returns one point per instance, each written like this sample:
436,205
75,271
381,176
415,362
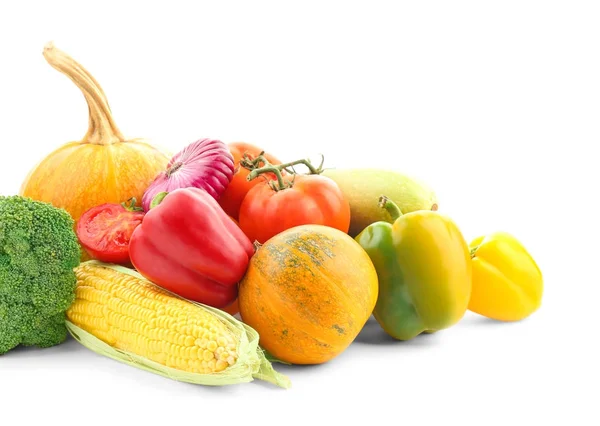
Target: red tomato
312,199
232,198
104,232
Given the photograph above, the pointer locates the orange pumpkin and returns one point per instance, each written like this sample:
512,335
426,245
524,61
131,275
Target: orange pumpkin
308,292
103,167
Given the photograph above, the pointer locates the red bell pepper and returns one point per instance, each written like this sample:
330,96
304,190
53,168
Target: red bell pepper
188,245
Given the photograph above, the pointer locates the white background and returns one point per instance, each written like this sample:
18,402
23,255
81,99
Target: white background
495,104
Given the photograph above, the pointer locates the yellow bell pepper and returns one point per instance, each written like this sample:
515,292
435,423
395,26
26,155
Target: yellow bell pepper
507,284
424,271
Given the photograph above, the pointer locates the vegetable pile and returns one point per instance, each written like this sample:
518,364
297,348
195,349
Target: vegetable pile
210,265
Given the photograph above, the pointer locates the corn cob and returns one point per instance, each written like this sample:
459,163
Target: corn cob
130,314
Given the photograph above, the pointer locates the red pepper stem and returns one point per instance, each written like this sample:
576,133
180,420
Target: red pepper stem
391,207
158,199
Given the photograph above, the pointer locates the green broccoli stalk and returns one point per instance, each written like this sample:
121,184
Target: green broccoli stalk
38,252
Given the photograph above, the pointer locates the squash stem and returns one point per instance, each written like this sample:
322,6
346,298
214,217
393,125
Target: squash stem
391,207
102,129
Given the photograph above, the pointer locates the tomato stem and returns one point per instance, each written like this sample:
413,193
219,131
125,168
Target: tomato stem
269,169
254,165
391,207
312,169
130,205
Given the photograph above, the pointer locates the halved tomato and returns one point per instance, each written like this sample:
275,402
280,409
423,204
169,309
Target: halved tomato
104,231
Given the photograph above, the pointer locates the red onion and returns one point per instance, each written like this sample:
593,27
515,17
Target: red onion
206,164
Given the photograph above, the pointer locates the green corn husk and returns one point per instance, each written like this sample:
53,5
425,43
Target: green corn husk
252,362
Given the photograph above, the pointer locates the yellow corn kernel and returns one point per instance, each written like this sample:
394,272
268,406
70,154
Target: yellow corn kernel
133,315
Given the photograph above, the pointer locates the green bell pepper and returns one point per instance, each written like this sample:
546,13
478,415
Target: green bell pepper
424,270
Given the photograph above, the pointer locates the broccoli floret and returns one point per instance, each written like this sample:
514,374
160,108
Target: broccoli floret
38,253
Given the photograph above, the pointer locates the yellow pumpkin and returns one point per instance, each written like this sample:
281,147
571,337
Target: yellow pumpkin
103,167
308,291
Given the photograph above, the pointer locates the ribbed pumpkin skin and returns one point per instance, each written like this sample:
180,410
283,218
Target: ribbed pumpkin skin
308,292
80,175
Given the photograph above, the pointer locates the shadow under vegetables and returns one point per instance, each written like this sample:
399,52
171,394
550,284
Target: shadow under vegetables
373,334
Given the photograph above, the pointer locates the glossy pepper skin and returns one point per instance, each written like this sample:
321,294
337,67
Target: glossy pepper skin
188,245
424,271
507,283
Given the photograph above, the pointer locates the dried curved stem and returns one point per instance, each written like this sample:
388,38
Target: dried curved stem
102,129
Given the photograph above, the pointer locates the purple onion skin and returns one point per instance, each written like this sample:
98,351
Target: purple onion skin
206,164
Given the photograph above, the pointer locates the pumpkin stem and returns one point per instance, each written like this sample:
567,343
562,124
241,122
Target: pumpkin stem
254,165
102,129
391,207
